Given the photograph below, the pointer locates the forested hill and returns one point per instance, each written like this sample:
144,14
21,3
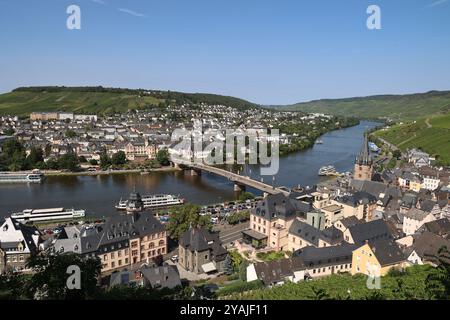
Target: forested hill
396,107
100,100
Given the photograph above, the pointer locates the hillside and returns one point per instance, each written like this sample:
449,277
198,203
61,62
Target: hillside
431,134
396,107
99,100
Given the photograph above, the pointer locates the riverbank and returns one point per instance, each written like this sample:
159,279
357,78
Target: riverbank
56,173
98,194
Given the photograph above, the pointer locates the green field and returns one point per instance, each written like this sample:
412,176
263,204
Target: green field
396,107
99,100
432,137
412,284
23,103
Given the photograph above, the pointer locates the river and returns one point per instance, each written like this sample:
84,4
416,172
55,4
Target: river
98,194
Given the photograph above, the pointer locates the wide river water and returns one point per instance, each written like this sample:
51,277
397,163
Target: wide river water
98,194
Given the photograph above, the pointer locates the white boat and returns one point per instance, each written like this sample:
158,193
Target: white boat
328,171
52,214
10,177
154,201
319,141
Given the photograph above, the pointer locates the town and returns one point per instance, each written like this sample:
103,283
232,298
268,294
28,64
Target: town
377,220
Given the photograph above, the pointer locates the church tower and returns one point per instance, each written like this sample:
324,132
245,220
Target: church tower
364,164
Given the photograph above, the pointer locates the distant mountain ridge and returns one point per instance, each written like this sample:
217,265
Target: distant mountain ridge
396,107
100,100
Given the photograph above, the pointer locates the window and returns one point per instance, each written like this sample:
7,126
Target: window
113,264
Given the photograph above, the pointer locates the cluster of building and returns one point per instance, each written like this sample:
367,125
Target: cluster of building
140,133
130,247
369,225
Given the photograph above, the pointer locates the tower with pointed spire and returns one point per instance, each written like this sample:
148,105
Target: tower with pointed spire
364,163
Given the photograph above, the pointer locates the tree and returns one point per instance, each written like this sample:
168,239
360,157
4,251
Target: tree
82,159
163,157
69,161
397,154
50,278
36,155
184,217
119,158
105,161
244,196
13,155
71,134
8,132
93,162
238,217
48,150
438,282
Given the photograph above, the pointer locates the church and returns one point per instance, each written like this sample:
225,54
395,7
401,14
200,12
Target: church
364,163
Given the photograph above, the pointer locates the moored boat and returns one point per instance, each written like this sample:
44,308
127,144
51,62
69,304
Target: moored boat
10,177
150,201
328,171
51,214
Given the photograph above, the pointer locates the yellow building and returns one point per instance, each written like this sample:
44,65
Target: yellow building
377,258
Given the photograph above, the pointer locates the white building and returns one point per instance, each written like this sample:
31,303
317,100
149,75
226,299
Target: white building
414,219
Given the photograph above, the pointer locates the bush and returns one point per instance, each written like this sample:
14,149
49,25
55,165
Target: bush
239,286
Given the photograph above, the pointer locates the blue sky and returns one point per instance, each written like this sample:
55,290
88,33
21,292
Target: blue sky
269,52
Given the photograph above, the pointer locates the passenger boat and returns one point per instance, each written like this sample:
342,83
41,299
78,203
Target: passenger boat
52,214
151,201
9,177
328,171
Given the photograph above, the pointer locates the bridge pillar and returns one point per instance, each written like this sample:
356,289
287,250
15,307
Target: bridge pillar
239,187
176,165
196,172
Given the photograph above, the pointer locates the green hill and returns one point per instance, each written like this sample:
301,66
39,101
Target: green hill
99,100
431,135
395,107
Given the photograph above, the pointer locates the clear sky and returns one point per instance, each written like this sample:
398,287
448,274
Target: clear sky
269,52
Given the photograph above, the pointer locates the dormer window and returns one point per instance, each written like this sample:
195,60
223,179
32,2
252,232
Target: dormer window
5,228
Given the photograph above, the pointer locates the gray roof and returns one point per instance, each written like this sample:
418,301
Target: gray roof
427,205
440,227
274,207
373,230
276,271
164,276
199,240
427,246
357,199
350,221
306,232
387,252
312,235
416,214
315,257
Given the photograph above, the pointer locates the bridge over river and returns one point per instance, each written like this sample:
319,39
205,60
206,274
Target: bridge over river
240,182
